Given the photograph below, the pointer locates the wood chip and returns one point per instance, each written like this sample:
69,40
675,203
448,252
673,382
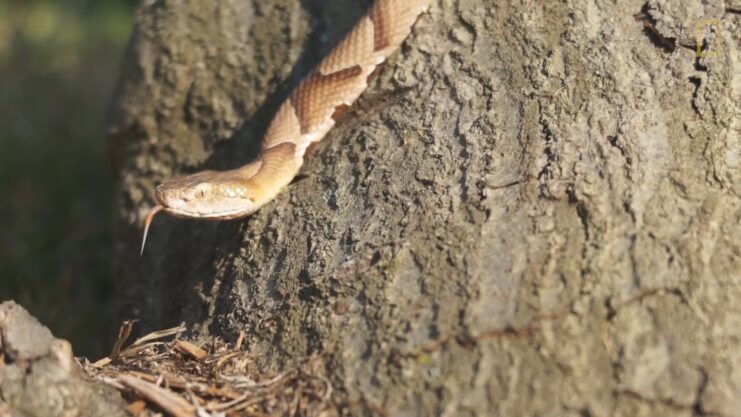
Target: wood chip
168,401
240,340
136,407
190,349
159,335
102,362
123,333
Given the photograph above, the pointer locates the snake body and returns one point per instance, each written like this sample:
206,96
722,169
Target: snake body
302,119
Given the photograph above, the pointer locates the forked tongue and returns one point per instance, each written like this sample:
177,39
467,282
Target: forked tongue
156,209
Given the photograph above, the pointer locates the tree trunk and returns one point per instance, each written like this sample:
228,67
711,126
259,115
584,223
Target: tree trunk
534,209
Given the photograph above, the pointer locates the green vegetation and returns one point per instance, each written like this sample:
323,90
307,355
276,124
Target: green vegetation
59,63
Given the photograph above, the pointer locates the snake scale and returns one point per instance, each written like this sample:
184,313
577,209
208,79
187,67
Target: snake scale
302,119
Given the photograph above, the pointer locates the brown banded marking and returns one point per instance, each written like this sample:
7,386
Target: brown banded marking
316,98
392,21
356,49
380,33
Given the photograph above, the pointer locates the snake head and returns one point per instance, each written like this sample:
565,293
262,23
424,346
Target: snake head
224,195
207,195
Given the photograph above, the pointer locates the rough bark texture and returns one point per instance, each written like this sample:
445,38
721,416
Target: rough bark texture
534,210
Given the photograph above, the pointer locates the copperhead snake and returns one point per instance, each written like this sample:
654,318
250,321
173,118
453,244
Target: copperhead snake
302,119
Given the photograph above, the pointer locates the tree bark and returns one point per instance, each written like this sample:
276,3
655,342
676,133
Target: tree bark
533,210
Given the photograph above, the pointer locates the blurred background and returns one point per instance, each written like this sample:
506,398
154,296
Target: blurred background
59,63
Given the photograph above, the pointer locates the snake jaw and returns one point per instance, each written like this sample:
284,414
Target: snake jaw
148,221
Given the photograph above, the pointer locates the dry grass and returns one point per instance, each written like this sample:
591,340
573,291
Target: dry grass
160,374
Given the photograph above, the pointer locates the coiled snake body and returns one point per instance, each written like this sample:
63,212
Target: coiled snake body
304,118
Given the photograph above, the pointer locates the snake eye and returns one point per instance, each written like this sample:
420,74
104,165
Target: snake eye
198,193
